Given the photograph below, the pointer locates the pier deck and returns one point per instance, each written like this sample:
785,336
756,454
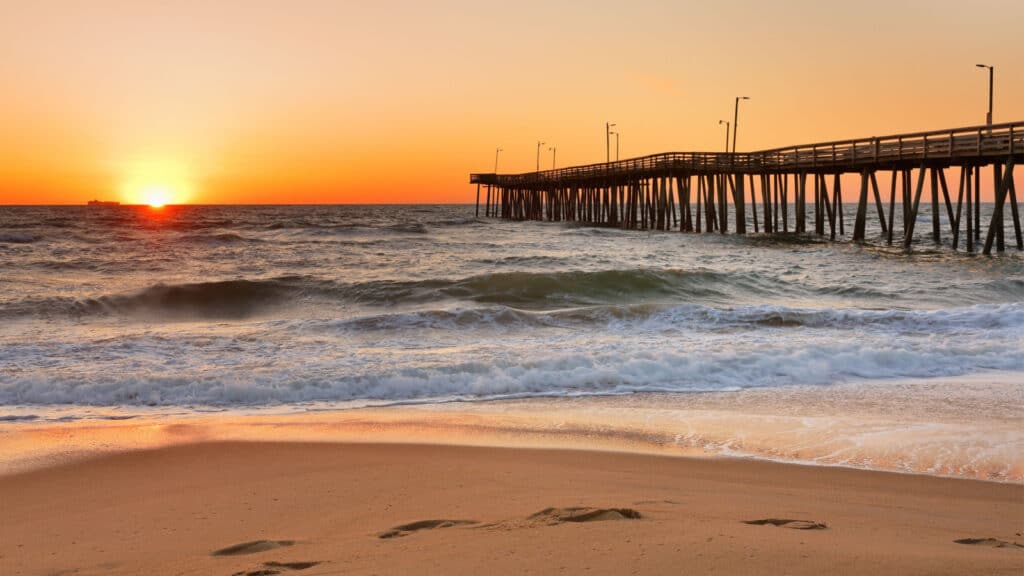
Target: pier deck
685,190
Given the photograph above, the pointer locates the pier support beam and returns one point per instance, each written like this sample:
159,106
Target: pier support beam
996,225
911,218
741,213
860,221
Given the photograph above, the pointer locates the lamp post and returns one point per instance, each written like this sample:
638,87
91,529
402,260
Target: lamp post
496,152
539,144
736,120
991,77
554,153
616,146
608,141
726,122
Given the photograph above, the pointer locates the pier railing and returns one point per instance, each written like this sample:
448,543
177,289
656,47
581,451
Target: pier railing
952,146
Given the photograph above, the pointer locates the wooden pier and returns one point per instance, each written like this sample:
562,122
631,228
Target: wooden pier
691,191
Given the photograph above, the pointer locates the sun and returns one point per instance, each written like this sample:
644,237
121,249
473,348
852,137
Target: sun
156,195
156,183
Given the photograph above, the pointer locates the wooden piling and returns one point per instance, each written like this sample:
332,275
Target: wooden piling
997,211
970,218
737,198
1015,213
908,225
860,220
892,205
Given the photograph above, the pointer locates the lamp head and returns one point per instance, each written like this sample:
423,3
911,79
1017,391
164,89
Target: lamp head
981,66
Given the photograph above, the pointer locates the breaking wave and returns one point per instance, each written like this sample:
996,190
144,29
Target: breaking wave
624,295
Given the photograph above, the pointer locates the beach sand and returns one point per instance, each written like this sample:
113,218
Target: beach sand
346,508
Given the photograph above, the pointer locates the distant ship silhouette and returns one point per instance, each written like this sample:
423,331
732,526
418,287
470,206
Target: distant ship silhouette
103,203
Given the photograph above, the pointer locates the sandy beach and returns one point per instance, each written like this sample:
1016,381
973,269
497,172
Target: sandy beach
261,508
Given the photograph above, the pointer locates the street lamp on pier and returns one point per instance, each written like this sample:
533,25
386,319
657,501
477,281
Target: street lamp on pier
736,120
991,78
726,122
497,151
616,134
539,144
608,141
554,152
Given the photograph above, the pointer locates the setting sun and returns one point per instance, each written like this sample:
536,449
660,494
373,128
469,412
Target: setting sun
157,183
156,196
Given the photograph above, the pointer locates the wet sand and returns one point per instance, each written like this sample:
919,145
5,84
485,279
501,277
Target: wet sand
261,508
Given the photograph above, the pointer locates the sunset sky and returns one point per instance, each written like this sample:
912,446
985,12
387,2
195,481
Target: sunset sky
350,101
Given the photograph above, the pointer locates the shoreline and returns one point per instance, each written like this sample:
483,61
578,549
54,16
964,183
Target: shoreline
968,427
167,510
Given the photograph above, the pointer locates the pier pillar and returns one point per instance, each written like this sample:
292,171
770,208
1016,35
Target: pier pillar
738,200
936,235
911,220
995,227
860,221
878,203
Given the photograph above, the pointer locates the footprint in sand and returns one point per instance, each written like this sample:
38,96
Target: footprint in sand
990,542
548,516
406,529
583,514
272,568
252,547
788,523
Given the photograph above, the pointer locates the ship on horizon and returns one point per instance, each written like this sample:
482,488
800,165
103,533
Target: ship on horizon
103,203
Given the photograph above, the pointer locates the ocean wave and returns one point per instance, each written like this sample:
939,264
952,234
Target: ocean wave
558,371
220,238
17,238
630,318
228,299
702,294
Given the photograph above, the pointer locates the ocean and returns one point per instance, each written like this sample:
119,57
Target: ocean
110,312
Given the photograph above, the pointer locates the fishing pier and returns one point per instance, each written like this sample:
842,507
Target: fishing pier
691,191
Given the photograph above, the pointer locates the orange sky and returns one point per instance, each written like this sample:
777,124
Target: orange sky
353,101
